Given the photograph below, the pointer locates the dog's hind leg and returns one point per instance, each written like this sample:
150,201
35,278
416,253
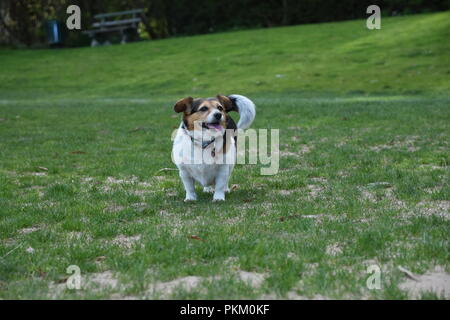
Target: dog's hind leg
221,183
189,186
227,189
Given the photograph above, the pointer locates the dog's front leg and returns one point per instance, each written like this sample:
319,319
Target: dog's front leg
221,183
189,186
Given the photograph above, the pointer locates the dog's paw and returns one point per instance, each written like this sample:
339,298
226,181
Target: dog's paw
218,197
208,189
190,198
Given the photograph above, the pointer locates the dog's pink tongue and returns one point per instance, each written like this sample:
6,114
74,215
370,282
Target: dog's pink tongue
214,126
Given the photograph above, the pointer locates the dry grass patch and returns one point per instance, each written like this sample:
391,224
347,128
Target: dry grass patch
436,282
126,241
29,230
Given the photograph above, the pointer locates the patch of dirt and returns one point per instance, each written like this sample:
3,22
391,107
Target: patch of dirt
39,174
398,143
320,218
173,223
431,166
286,192
87,179
292,295
379,184
95,282
310,269
234,220
119,296
141,193
319,180
165,289
291,255
113,208
369,196
103,280
312,216
379,191
434,189
343,173
333,249
259,186
302,149
29,230
9,242
126,242
112,181
435,208
140,206
288,154
73,235
437,282
253,279
232,263
46,204
314,190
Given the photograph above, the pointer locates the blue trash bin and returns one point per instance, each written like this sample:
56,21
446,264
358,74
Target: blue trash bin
55,32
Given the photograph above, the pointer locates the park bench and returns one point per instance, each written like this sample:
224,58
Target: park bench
124,22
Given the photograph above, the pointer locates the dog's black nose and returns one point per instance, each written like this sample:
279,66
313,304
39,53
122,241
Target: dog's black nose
218,116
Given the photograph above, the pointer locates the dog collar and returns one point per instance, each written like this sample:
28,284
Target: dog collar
205,144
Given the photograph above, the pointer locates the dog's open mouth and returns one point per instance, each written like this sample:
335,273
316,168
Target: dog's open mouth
216,126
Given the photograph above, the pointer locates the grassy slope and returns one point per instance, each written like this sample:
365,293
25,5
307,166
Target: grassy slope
408,55
333,148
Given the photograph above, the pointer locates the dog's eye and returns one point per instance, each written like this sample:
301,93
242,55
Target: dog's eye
203,109
220,108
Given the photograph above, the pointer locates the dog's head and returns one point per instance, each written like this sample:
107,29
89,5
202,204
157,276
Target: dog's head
205,113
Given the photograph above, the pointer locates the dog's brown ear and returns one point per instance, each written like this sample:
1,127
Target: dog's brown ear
184,105
227,103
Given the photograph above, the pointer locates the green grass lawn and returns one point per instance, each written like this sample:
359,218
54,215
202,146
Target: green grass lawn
86,176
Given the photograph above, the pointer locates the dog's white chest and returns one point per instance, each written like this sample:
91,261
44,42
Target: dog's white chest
203,165
205,174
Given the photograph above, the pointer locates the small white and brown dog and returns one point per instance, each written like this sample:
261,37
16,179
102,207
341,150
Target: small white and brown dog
204,147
